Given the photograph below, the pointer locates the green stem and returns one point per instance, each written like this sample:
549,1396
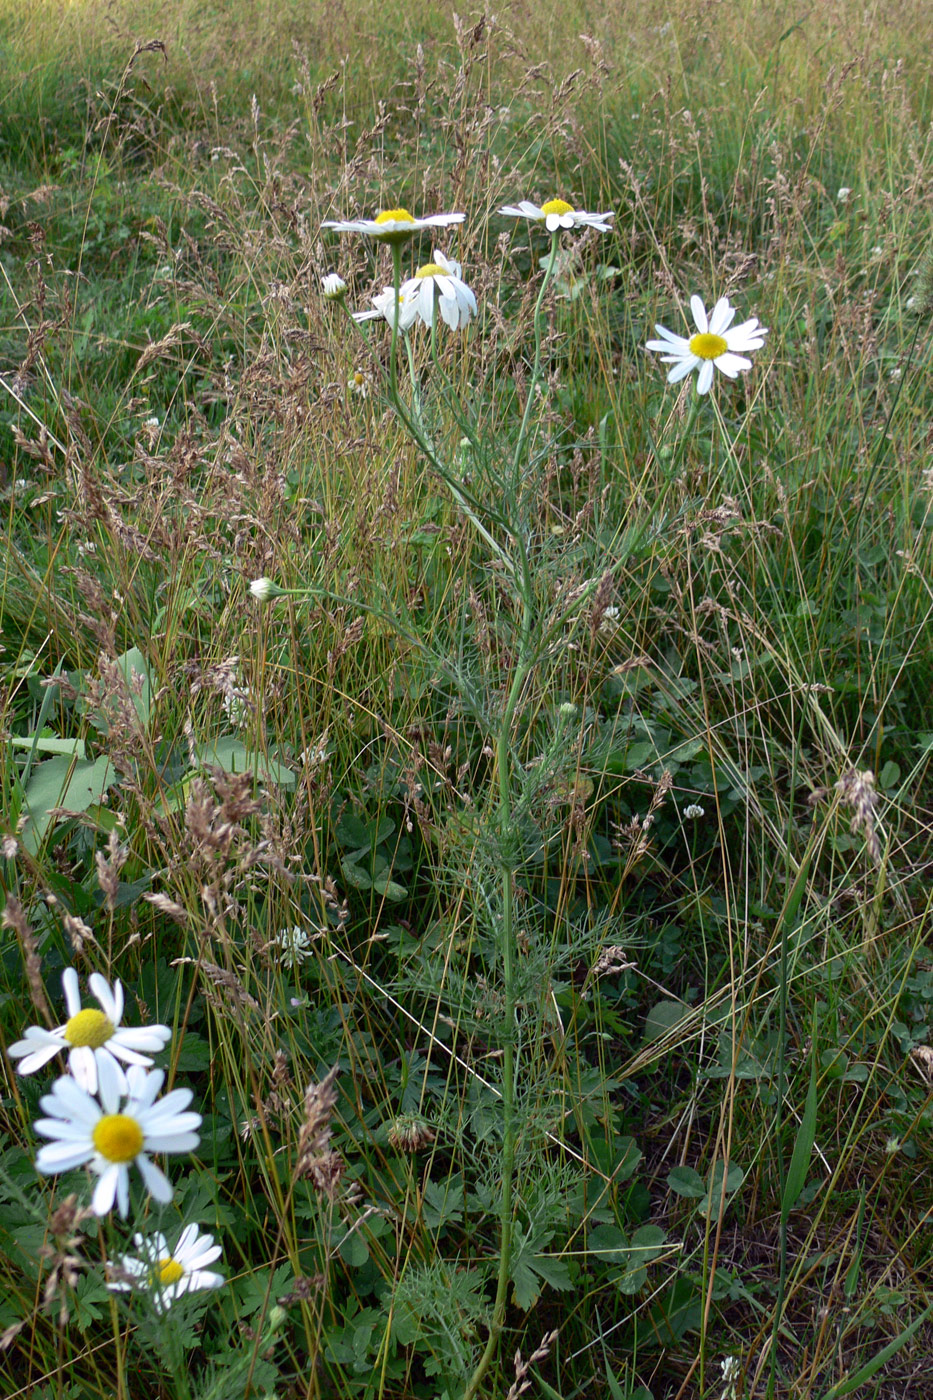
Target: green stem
396,284
507,952
536,369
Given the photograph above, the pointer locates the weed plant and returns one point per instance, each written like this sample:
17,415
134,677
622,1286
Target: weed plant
532,874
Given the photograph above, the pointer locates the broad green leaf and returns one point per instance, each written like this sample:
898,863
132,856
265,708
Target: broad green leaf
662,1018
684,1181
233,756
355,876
63,782
390,889
40,744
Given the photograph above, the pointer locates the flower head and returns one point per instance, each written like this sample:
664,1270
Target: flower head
264,590
383,307
437,281
294,946
333,286
715,345
556,214
109,1138
90,1036
360,383
393,225
167,1273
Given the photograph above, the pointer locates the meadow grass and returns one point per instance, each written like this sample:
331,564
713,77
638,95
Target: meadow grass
538,890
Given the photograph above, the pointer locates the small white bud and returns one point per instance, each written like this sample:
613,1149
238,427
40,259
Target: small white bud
843,194
334,286
264,590
694,812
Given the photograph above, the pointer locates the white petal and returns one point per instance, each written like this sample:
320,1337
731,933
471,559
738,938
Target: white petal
141,1037
699,314
35,1059
112,1083
172,1141
747,328
157,1183
69,1100
63,1156
200,1278
106,1189
83,1065
105,996
62,1129
72,991
676,344
705,377
721,316
450,311
732,365
681,370
681,342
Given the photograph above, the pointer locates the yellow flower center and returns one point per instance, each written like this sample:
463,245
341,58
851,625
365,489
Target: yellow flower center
89,1027
394,216
708,346
167,1272
557,206
431,270
395,235
118,1138
359,378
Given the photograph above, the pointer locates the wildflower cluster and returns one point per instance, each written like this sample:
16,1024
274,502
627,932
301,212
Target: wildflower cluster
717,344
107,1118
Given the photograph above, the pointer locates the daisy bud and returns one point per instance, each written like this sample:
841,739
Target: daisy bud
334,286
264,590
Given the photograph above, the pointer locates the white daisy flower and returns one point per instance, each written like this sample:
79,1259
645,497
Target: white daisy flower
715,345
90,1036
360,383
294,946
384,307
393,225
557,213
108,1138
438,281
168,1273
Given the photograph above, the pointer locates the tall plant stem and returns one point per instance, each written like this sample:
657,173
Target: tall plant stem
507,953
536,369
504,773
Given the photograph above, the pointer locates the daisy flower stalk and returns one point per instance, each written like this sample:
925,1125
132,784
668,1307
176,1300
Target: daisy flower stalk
110,1138
90,1036
167,1274
717,344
